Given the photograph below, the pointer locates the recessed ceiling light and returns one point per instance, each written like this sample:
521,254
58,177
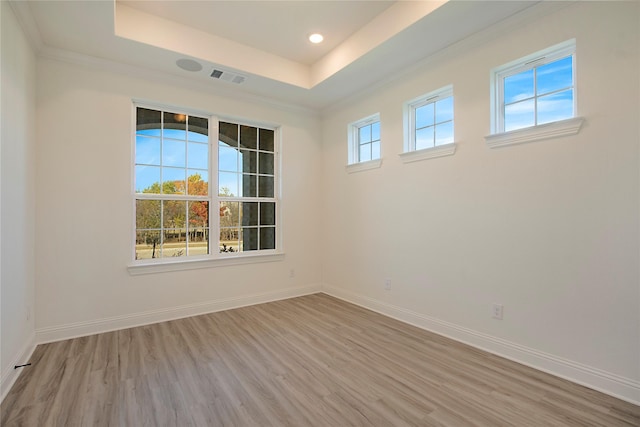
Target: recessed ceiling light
316,38
189,64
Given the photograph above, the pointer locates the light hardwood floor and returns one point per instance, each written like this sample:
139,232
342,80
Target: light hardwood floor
308,361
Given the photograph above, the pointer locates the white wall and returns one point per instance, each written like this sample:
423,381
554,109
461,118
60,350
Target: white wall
85,220
549,229
17,198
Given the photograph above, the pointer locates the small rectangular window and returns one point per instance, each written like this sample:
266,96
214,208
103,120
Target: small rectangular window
364,140
535,90
429,120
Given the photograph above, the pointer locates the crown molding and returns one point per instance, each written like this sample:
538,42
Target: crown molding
27,23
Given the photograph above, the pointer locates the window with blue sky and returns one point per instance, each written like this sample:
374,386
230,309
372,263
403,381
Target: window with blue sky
174,167
364,140
429,120
536,90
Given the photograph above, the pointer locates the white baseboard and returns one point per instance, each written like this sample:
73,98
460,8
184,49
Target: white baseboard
74,330
605,382
9,373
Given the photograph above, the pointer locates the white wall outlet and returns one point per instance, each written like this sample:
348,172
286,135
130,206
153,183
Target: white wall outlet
292,273
28,312
387,284
496,311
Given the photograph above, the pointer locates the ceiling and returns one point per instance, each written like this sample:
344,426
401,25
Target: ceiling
263,41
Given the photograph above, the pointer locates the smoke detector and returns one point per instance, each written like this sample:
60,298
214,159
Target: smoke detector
228,76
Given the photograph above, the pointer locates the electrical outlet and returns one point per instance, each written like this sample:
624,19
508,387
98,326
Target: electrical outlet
387,284
28,313
292,273
496,311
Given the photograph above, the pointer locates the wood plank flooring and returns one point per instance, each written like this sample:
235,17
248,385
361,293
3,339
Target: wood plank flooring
308,361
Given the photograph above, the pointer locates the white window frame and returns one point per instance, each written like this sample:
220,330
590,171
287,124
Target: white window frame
215,258
353,157
536,132
410,153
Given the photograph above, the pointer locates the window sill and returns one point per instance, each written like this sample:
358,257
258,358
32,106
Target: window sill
152,267
363,166
535,133
428,153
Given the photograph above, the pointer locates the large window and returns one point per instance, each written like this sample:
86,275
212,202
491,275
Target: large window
535,90
195,201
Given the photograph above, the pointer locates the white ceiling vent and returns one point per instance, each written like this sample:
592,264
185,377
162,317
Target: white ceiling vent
228,76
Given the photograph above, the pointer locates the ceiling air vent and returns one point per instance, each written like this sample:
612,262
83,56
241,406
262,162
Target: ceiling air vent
228,76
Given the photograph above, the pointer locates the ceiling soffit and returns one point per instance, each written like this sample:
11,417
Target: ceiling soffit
140,26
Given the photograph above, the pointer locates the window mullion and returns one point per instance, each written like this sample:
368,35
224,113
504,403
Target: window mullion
535,95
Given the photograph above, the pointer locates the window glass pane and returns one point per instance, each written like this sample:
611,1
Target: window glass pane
148,119
365,152
250,239
424,138
265,186
198,156
375,131
147,179
198,241
554,107
519,115
147,150
173,180
229,231
229,239
248,186
229,214
198,183
174,244
147,214
267,238
554,76
266,163
228,133
267,214
174,153
375,150
249,161
198,129
364,134
174,213
147,244
228,184
227,158
249,213
198,215
518,87
424,116
444,109
175,126
266,140
249,137
444,133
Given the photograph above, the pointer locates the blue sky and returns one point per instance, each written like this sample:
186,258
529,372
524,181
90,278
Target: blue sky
551,83
174,154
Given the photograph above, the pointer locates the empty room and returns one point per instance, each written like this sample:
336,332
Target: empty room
320,213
